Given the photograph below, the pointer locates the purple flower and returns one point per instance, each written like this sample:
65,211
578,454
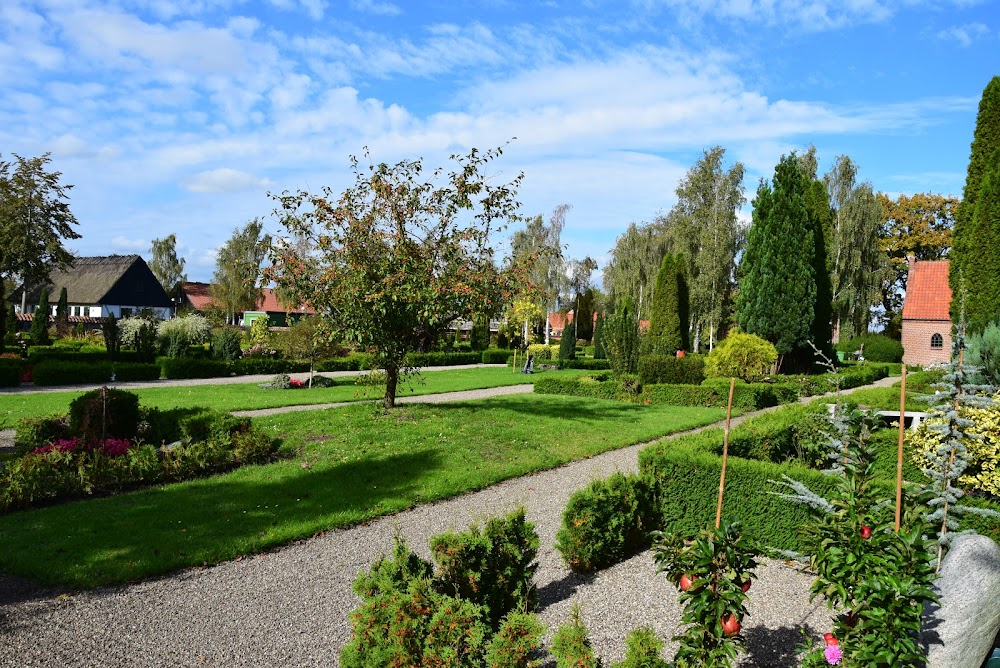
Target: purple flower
833,655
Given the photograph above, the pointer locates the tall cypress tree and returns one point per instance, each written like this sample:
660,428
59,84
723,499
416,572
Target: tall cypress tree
567,344
621,338
666,330
40,321
777,285
584,320
821,221
62,314
599,352
985,142
981,270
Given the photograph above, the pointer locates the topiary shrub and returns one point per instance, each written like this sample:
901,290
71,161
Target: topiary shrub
493,567
741,355
607,522
104,413
670,369
541,351
226,343
567,344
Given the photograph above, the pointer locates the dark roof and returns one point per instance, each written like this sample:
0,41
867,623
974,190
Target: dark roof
98,280
928,295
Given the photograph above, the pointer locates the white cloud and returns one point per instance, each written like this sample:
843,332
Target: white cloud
124,243
966,34
224,179
376,7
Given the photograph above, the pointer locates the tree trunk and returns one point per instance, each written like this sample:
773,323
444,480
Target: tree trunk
391,380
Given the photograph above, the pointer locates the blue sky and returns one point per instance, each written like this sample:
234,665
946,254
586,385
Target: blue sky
179,116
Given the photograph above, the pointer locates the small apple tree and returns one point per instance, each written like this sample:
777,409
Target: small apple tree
398,256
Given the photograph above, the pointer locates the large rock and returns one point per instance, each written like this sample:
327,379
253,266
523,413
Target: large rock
959,632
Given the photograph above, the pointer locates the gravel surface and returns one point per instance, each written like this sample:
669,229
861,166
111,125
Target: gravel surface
290,607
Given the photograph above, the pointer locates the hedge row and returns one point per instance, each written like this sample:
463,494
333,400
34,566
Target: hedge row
10,372
442,359
497,356
86,354
58,372
598,387
668,369
587,363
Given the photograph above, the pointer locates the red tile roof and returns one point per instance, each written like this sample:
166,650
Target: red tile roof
928,294
200,297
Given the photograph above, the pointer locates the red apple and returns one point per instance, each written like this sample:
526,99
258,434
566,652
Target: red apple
745,585
685,582
830,640
866,532
730,625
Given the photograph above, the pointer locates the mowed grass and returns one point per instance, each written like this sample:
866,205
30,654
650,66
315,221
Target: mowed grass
250,396
349,465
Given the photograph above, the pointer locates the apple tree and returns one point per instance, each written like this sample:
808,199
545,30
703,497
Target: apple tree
399,255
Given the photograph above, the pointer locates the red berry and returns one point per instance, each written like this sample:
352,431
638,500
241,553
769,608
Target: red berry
745,585
866,532
830,640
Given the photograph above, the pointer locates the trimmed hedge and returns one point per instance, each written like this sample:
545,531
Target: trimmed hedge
352,362
668,369
587,363
10,372
747,396
254,366
85,354
687,474
59,372
189,367
134,371
442,359
497,356
598,387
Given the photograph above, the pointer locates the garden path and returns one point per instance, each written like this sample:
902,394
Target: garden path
290,607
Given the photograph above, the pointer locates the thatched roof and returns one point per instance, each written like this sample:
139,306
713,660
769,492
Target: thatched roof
91,280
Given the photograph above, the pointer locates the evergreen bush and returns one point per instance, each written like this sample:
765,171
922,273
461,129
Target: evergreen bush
875,348
599,351
112,338
10,371
517,640
642,650
567,344
57,372
571,644
226,343
186,367
621,338
497,356
984,354
607,522
40,321
104,413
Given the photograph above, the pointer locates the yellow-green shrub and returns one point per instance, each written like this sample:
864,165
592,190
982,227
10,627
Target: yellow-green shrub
745,356
982,473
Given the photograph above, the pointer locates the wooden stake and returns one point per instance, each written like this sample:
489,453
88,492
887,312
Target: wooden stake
514,365
899,452
725,453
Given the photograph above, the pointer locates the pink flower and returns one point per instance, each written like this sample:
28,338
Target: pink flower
833,655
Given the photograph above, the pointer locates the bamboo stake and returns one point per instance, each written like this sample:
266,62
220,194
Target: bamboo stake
899,452
514,365
725,453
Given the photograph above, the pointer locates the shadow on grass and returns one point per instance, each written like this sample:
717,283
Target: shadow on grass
777,648
202,522
551,406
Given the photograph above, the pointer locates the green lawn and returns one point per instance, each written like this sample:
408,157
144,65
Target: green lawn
349,465
249,396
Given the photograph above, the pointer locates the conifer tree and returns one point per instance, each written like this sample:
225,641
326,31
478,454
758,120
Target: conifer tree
40,321
981,260
621,338
567,344
668,324
584,320
62,314
599,352
777,293
985,142
821,221
5,322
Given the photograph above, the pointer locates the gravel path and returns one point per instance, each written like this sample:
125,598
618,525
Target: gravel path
290,607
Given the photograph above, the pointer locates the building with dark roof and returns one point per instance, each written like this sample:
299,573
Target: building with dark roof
199,297
926,320
96,287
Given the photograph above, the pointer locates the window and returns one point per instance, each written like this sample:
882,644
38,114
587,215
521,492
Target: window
126,312
937,341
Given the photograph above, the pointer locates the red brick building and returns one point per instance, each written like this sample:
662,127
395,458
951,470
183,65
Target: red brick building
926,322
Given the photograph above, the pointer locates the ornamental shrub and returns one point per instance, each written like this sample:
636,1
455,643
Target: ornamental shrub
497,356
517,639
642,650
621,338
260,332
35,432
112,339
180,332
104,413
186,367
493,567
607,522
226,343
10,371
741,355
571,645
541,352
